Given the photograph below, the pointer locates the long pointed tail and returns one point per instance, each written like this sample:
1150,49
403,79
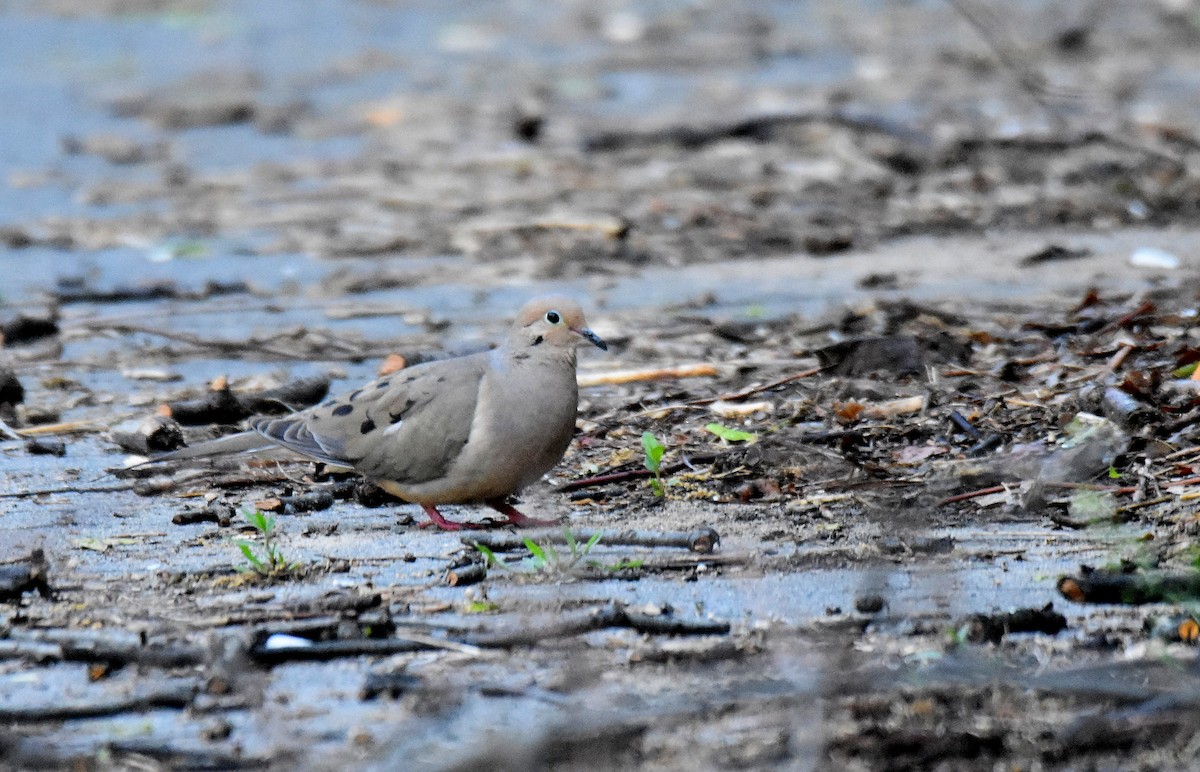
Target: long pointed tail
242,442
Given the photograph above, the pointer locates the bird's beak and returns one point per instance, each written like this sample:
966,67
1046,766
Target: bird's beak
591,337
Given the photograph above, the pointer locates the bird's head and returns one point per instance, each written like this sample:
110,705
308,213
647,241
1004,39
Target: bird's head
555,322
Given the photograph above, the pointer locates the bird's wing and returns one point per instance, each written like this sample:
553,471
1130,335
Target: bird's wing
408,427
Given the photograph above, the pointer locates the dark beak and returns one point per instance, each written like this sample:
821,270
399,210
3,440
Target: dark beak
592,338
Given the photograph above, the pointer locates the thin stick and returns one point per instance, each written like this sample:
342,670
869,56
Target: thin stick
973,494
703,540
617,377
66,489
737,395
174,696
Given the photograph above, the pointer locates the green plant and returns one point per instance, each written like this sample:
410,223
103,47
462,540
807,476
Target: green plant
731,435
624,564
271,560
545,557
654,451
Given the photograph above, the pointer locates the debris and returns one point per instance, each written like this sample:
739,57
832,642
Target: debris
154,434
43,447
30,573
1153,257
702,540
314,501
615,377
221,405
26,329
11,390
472,573
1055,253
1103,586
991,628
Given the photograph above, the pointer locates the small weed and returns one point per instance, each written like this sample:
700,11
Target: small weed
545,557
269,560
624,564
731,435
654,451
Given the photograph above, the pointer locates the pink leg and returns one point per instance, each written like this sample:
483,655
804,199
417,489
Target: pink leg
514,516
436,518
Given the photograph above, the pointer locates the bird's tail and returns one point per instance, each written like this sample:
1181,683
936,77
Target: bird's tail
242,442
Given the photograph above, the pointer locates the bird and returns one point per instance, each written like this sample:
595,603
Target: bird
474,429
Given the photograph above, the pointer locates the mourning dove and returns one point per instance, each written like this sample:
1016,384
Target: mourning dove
472,429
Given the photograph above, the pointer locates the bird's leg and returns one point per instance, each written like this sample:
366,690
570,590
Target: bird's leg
436,518
514,516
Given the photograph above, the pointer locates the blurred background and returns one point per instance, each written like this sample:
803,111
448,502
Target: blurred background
368,147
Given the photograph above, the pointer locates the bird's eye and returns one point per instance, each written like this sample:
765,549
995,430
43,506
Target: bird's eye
553,317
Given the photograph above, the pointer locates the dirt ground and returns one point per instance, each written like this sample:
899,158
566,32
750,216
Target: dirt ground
903,292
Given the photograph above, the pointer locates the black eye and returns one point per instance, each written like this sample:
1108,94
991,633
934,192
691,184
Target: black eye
553,317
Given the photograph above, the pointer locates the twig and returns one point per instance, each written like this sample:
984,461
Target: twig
624,475
177,695
972,494
617,377
1099,586
524,634
67,489
702,540
762,127
991,628
613,615
116,647
605,479
31,573
466,575
739,395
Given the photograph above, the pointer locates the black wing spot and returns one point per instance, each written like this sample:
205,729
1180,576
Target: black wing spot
341,410
538,340
383,384
394,417
356,395
367,426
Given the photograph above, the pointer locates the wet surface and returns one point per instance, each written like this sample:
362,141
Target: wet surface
731,184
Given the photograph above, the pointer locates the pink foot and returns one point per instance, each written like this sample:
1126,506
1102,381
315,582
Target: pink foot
515,517
435,518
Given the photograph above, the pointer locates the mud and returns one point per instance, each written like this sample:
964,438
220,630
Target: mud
900,236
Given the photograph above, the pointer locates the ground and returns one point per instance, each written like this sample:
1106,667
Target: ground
904,292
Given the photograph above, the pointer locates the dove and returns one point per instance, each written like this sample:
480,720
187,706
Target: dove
474,429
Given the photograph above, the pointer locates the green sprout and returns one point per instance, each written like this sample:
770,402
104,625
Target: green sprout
543,557
654,451
270,561
731,435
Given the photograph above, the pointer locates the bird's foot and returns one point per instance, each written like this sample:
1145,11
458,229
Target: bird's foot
435,518
515,517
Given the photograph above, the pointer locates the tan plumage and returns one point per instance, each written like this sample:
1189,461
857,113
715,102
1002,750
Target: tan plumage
472,429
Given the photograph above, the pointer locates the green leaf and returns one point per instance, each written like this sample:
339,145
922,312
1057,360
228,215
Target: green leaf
731,435
654,451
490,556
657,486
622,565
592,542
1185,371
535,550
571,543
247,549
1113,474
